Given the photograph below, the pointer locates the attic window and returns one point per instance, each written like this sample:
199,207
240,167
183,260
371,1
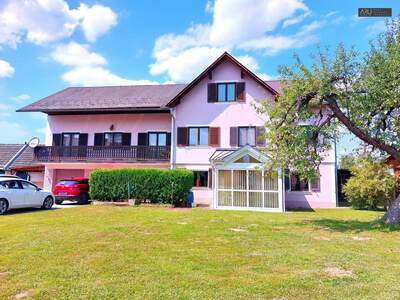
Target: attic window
226,92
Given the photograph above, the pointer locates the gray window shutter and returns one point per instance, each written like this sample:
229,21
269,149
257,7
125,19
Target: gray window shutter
212,92
182,136
168,138
142,139
83,139
126,139
99,139
57,139
241,92
260,138
234,135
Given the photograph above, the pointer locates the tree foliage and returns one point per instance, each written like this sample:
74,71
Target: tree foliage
371,185
347,89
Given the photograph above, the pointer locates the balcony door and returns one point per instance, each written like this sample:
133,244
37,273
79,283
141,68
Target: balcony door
70,143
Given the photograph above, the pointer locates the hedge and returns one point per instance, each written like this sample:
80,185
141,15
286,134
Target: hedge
154,185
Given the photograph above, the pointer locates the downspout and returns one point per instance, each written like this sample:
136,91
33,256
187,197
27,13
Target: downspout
336,171
173,138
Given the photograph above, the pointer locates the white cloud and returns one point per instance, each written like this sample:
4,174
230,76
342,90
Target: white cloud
254,23
96,20
44,21
98,76
88,68
235,21
186,64
74,54
12,132
271,45
376,28
6,70
21,98
5,107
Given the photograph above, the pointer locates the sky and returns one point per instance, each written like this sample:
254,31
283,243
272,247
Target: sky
48,45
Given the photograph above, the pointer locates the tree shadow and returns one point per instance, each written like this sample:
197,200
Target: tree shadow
352,225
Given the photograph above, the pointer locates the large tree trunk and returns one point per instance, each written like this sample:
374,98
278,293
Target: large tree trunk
392,215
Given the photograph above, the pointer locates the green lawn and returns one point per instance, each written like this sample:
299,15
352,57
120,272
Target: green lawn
98,252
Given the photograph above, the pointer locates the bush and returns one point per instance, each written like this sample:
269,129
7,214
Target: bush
371,185
154,185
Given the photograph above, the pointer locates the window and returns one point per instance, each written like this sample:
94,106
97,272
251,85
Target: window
200,178
12,184
28,186
70,139
226,92
247,136
157,139
112,139
198,136
298,185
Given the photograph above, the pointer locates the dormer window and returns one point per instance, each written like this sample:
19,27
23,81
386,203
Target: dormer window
226,92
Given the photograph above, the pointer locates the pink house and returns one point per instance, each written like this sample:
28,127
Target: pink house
209,126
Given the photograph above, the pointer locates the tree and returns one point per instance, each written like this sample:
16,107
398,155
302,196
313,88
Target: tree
347,161
360,92
371,185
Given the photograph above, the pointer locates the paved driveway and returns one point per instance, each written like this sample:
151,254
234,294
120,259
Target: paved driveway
68,204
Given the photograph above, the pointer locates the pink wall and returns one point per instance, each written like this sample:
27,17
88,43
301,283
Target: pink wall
194,110
323,199
91,124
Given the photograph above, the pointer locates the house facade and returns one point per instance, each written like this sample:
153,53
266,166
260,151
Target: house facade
209,126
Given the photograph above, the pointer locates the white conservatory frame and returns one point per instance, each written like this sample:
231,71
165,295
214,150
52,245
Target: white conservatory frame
226,160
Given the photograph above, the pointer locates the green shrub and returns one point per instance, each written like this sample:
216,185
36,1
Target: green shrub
371,185
154,185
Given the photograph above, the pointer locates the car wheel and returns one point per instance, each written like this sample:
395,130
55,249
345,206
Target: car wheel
59,202
83,199
3,206
48,203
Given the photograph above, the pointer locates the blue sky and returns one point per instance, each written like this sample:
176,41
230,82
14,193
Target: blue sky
46,46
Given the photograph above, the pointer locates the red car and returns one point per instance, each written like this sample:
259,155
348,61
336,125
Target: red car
74,189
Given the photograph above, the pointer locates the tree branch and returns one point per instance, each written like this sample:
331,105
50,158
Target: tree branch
332,104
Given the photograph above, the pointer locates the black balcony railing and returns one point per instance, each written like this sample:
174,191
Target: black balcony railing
102,153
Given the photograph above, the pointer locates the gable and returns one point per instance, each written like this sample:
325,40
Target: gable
209,73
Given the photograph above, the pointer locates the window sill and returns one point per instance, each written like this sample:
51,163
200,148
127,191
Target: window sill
197,147
227,102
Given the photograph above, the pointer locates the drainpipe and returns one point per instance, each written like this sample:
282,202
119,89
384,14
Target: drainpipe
173,138
336,171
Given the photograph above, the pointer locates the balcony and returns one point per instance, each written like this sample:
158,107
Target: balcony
102,154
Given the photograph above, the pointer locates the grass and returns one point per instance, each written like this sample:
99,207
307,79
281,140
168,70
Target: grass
98,252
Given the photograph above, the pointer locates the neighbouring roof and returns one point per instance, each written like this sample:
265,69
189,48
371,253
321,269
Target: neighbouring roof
7,151
107,99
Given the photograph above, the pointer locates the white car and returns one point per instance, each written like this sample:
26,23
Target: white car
19,193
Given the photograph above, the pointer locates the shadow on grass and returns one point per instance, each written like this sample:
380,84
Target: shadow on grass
301,209
352,225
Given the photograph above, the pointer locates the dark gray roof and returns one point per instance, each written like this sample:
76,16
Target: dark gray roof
7,151
113,98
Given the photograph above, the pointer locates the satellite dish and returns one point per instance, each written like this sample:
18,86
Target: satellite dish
33,142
